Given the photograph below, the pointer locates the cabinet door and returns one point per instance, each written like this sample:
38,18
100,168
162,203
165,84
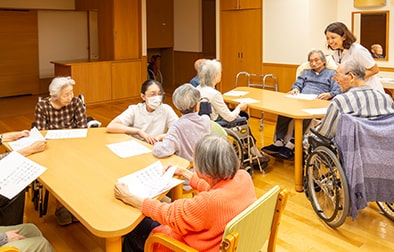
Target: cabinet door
240,4
126,79
160,23
241,44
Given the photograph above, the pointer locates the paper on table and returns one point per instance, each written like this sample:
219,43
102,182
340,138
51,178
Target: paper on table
128,148
16,173
235,93
316,111
150,181
302,96
246,100
23,142
66,133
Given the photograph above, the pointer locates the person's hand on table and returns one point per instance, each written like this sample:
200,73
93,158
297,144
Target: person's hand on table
324,96
180,171
294,91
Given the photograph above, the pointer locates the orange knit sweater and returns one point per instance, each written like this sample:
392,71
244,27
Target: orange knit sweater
200,221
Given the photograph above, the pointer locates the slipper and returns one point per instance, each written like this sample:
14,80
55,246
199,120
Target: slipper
63,216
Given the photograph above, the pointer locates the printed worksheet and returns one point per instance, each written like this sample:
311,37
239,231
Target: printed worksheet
235,93
151,181
23,142
316,111
302,96
128,148
246,100
17,172
66,133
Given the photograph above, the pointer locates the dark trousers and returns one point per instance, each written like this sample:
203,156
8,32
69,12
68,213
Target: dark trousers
135,240
11,211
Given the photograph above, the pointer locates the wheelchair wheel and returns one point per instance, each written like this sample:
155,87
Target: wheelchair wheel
387,209
326,186
237,145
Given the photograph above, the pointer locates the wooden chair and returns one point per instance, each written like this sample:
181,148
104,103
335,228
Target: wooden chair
248,231
9,249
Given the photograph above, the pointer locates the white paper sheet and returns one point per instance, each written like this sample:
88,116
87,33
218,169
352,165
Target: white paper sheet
150,181
302,96
128,148
17,172
23,142
246,100
235,93
316,111
66,133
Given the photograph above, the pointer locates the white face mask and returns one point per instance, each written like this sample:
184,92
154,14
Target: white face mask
155,101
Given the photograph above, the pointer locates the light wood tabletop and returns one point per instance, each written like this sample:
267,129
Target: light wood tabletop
278,103
81,174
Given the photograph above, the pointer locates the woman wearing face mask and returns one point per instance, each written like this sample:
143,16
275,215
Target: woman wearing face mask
147,120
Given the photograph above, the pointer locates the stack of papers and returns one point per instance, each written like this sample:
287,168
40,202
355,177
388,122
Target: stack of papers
235,93
151,181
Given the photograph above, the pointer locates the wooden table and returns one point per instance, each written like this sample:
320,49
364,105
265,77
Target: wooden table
278,103
81,174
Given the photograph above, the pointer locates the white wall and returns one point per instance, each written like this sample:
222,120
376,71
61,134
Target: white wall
62,35
291,28
187,25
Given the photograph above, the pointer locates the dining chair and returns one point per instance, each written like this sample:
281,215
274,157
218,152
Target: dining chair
248,231
9,249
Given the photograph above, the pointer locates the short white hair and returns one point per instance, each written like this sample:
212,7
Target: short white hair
58,83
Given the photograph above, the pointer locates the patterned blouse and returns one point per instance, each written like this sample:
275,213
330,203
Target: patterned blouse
67,117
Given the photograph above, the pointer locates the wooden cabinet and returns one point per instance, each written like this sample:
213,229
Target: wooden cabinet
241,44
160,23
240,4
103,81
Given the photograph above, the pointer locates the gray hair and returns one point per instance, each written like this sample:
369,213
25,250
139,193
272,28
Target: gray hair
57,84
353,66
210,72
215,157
185,98
320,53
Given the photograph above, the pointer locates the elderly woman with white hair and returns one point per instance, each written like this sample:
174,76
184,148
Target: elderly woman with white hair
209,76
188,129
61,110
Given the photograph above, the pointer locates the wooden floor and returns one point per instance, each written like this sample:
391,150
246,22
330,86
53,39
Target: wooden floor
300,229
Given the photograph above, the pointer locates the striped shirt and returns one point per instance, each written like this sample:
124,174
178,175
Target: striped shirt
67,117
361,101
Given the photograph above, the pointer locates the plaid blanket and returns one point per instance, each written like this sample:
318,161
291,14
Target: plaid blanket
366,148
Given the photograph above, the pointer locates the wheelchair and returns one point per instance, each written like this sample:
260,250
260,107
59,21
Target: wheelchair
239,133
242,140
325,183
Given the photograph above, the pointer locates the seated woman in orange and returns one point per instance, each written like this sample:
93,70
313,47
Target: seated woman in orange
195,221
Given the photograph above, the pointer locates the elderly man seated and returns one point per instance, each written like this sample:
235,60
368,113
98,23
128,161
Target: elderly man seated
319,81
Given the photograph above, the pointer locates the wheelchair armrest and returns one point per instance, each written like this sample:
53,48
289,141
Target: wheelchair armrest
236,122
321,140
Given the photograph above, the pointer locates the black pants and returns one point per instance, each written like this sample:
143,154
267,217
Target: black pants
135,240
11,211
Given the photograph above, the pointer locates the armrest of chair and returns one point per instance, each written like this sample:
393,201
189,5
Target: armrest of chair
230,242
9,249
169,242
279,208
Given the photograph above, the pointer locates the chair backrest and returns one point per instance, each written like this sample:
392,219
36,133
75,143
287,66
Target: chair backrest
330,64
9,249
217,129
255,224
